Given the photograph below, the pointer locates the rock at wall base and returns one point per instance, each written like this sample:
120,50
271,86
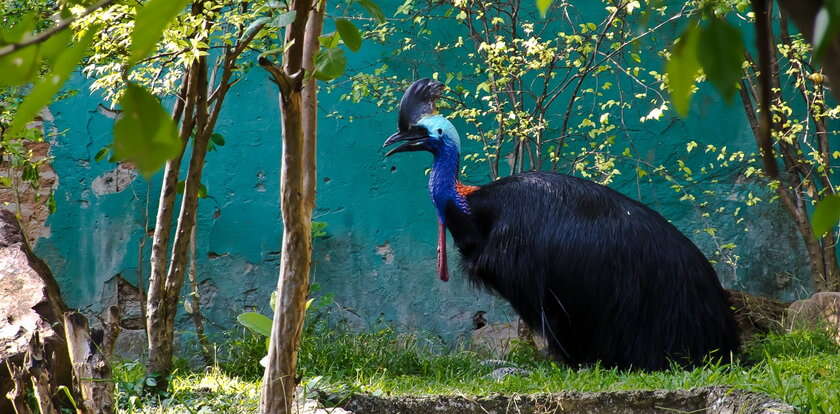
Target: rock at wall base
821,311
31,304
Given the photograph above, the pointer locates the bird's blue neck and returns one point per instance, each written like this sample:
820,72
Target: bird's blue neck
443,178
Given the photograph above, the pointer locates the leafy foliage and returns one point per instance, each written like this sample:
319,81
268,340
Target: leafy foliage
256,322
349,34
826,215
682,69
721,52
145,133
717,48
150,22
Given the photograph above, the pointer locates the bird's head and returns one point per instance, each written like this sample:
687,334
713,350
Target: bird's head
421,128
432,133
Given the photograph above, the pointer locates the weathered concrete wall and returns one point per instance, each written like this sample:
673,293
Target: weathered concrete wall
378,260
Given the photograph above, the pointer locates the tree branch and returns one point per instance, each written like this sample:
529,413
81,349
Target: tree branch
46,34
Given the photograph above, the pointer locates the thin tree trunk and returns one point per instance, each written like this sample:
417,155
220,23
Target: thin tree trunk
310,103
297,188
195,307
186,221
159,361
165,284
823,262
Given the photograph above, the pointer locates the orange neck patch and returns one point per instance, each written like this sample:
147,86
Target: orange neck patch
465,190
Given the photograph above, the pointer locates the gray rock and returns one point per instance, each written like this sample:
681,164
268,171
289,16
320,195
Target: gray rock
696,400
819,311
31,303
502,373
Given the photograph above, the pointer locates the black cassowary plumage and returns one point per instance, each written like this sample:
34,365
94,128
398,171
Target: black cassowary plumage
601,276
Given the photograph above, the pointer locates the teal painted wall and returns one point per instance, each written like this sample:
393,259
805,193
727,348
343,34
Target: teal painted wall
378,260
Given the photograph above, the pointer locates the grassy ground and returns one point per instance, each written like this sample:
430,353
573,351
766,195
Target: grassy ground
801,368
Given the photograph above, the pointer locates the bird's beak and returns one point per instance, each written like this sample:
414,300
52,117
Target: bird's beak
414,139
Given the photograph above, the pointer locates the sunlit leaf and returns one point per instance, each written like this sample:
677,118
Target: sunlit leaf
682,69
202,191
284,19
55,45
149,25
16,33
543,5
373,10
256,322
19,67
826,215
329,64
255,25
329,40
349,34
720,51
145,134
51,83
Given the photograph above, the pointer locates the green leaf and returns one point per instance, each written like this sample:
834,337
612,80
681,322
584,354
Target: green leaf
349,34
720,51
19,67
149,25
51,205
100,155
22,66
55,45
49,85
284,19
373,10
542,6
179,187
682,69
826,215
217,139
145,134
15,33
329,64
329,40
256,322
202,190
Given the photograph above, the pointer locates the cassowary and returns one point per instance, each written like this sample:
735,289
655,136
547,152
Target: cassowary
601,276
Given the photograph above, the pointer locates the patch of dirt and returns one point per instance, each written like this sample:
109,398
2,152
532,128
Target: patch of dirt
698,400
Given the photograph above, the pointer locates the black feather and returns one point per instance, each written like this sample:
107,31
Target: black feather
601,276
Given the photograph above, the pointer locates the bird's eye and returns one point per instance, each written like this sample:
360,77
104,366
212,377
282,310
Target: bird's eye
440,131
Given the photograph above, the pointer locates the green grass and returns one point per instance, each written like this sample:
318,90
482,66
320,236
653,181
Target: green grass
802,368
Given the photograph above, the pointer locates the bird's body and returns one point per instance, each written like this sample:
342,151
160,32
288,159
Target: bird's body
601,276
